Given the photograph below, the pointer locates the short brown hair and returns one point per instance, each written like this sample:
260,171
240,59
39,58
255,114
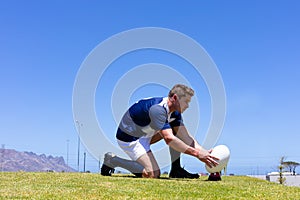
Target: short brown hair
181,91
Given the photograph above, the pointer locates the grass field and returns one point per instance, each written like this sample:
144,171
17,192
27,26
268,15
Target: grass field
25,185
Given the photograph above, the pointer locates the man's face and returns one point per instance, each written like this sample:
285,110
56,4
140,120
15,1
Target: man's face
183,103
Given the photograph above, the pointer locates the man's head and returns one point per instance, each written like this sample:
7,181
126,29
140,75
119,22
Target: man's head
180,96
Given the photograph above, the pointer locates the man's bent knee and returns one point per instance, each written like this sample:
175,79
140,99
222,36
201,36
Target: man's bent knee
151,174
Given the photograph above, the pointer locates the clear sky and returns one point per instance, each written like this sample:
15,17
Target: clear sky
255,45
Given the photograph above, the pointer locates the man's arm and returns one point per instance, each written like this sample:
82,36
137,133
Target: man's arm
180,146
183,134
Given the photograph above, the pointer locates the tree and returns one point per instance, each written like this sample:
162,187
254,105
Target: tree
291,165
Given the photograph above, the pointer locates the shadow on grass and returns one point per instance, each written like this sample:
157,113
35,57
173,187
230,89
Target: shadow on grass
163,177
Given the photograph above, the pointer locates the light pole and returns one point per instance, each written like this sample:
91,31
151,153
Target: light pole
78,152
84,158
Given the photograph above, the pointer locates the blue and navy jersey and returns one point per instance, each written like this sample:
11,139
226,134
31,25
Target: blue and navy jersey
145,118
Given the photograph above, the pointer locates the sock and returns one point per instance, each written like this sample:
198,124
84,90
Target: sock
175,158
132,166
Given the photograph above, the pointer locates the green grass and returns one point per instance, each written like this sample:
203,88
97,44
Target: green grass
25,185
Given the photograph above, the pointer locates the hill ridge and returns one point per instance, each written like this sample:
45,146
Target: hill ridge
12,160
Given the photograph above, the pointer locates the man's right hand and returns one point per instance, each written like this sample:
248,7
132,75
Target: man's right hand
206,157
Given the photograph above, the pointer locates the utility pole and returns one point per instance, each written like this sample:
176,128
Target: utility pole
78,151
84,159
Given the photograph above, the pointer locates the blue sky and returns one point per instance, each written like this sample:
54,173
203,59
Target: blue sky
255,45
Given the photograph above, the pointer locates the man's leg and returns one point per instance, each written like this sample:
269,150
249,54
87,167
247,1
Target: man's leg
145,166
176,170
189,140
112,161
143,162
151,168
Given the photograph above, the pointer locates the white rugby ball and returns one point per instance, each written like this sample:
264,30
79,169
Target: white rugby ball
222,152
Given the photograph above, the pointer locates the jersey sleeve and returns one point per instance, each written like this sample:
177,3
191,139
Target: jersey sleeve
158,116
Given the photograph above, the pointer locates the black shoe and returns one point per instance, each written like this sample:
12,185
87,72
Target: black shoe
181,173
214,177
107,168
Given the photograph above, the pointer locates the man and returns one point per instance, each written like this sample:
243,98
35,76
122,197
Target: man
147,122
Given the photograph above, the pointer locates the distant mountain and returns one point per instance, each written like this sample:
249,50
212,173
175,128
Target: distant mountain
12,160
